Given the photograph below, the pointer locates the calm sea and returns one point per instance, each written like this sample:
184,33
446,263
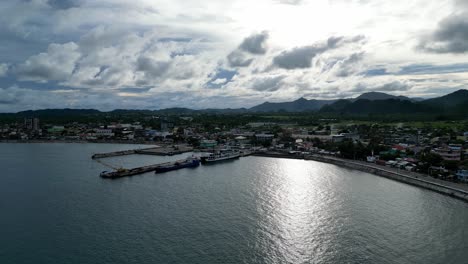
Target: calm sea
56,209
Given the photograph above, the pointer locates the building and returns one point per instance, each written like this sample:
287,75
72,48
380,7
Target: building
451,152
264,137
104,132
31,124
206,143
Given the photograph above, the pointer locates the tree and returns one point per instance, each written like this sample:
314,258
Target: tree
432,158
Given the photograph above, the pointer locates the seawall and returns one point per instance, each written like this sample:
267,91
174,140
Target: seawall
413,179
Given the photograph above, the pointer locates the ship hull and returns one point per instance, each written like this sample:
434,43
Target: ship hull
192,164
206,160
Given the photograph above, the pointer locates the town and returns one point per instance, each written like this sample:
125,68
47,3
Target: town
438,149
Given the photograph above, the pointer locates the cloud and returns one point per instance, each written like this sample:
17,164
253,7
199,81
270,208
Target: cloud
63,4
272,83
394,86
3,69
255,44
152,68
451,36
297,58
290,2
301,57
239,59
252,45
57,63
349,66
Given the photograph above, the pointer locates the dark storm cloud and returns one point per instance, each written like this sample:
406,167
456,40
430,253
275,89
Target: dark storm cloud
451,36
301,57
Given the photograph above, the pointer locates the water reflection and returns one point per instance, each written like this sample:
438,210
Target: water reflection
296,211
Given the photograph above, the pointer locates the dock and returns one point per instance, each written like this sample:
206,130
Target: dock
157,150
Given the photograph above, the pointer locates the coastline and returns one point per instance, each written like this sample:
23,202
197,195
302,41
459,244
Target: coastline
455,190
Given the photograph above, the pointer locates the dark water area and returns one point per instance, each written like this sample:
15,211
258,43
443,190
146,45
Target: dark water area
56,209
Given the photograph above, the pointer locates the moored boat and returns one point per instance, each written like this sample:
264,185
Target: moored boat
190,162
219,156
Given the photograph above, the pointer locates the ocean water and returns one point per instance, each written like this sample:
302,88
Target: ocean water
54,208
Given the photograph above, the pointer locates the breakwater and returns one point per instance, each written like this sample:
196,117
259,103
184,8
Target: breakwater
459,191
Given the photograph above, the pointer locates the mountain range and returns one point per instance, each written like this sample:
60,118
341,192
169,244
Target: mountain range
367,103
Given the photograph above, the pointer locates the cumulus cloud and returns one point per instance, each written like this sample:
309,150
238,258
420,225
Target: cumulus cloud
239,59
151,67
57,63
301,57
271,83
348,66
252,45
255,44
297,58
142,54
451,36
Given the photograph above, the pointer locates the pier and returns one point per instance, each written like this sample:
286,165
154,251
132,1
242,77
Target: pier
156,150
119,173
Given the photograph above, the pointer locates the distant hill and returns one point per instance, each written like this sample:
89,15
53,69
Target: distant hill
454,104
365,107
58,112
380,96
300,105
449,100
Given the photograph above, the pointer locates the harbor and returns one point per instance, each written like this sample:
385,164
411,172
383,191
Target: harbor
158,168
452,189
190,162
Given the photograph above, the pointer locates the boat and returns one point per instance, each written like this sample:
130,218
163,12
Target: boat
191,162
120,173
219,156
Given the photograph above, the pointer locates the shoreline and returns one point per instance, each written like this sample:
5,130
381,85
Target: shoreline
455,190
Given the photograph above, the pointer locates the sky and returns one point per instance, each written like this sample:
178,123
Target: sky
154,54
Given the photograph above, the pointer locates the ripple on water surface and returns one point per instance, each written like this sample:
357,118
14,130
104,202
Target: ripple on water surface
55,209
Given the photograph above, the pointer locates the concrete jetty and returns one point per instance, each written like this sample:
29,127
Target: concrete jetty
165,151
157,150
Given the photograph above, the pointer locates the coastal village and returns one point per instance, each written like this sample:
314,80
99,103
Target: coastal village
441,152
